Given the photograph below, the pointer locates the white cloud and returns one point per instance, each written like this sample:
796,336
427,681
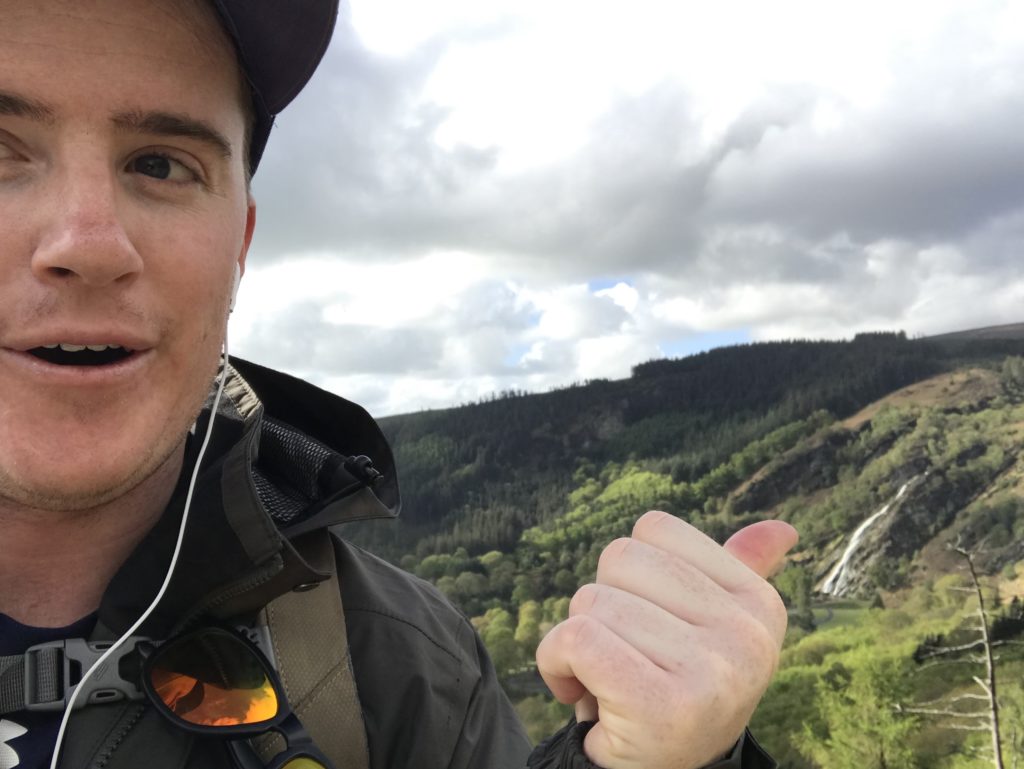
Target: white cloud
623,294
574,312
613,356
437,207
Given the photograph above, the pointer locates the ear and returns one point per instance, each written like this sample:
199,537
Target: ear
250,226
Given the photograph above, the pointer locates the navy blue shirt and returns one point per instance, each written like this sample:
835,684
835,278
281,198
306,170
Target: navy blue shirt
26,739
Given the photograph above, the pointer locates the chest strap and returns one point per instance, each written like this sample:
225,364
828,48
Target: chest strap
310,648
44,677
307,630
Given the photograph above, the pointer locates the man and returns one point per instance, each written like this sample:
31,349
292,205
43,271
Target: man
128,129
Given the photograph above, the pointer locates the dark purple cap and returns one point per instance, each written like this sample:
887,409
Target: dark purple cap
280,43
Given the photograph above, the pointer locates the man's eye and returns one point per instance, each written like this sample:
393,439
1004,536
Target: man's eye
161,167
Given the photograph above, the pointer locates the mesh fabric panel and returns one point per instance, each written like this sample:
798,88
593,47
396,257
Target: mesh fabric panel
288,471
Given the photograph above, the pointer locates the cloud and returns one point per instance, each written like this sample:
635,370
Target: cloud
353,163
873,178
299,339
924,174
361,169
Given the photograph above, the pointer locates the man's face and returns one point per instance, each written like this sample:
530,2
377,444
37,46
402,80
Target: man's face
123,212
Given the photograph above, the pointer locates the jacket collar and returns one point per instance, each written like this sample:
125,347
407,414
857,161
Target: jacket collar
280,464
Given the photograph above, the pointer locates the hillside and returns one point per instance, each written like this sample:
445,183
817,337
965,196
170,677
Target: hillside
953,440
900,445
477,476
1008,331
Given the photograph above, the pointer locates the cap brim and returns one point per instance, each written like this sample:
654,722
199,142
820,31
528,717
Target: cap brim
280,45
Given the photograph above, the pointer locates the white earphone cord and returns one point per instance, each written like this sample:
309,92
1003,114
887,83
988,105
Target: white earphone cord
170,568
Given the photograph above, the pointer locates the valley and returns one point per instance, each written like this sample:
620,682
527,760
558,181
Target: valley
509,502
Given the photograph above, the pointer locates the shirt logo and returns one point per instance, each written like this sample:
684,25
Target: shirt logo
8,731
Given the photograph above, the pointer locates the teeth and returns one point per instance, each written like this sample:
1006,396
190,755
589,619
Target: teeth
79,347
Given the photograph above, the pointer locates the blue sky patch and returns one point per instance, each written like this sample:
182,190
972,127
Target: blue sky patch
691,345
600,284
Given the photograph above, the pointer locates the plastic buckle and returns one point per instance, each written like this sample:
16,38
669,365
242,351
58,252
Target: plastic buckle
104,685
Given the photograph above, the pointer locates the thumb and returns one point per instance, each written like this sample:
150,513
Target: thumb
762,546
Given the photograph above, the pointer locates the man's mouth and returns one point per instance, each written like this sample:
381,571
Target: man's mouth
81,355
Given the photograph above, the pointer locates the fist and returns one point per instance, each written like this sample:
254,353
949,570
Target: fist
672,647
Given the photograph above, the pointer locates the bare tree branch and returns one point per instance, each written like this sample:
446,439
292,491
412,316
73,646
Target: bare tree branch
946,707
989,685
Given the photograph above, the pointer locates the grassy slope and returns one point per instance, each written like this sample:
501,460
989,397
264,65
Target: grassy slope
957,422
848,632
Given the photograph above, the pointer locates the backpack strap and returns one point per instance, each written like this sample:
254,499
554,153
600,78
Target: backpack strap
310,644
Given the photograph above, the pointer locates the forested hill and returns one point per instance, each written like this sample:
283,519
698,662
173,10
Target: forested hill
478,475
880,451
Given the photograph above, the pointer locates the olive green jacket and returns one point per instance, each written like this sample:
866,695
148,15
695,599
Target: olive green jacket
276,469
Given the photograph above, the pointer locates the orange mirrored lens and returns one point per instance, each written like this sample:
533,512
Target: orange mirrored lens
213,679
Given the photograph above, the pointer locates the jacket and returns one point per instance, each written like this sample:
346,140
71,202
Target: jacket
275,469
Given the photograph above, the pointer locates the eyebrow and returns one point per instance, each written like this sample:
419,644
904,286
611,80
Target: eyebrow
18,106
170,124
138,121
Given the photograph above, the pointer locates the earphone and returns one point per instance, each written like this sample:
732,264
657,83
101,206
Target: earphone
177,546
234,286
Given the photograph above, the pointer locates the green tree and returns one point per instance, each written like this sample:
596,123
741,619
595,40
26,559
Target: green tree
528,629
565,581
1011,377
796,585
498,633
1012,706
861,728
542,716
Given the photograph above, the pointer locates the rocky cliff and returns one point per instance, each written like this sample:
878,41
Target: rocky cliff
951,444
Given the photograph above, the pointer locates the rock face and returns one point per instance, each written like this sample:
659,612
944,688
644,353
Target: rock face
929,507
807,468
843,576
934,462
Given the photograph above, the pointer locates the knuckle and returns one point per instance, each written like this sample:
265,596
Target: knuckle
723,674
739,704
544,648
696,697
760,656
584,600
614,553
649,523
581,632
775,606
718,687
756,635
765,600
774,610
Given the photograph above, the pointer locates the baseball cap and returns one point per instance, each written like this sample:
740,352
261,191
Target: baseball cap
280,43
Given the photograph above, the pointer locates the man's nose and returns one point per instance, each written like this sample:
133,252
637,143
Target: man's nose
84,237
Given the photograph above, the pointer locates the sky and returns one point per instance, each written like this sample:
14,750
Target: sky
473,197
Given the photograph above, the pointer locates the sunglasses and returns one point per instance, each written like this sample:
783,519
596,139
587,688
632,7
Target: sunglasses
216,682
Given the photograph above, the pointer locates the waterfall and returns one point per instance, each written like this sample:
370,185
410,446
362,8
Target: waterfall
838,580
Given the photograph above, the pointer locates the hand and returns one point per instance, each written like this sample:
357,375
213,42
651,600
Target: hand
673,646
